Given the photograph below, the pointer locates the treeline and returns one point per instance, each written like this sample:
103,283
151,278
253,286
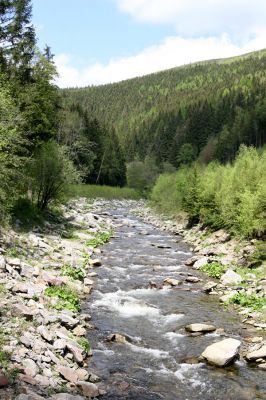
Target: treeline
204,110
231,196
44,144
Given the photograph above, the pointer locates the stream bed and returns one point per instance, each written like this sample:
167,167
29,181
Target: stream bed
153,365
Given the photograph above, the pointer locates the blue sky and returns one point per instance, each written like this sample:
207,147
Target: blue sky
101,41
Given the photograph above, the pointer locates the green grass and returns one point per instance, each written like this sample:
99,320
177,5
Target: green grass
99,239
67,298
252,301
84,343
77,274
97,191
214,270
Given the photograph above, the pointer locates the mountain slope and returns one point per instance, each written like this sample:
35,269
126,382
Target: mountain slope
211,106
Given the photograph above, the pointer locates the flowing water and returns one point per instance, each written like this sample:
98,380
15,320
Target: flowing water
152,365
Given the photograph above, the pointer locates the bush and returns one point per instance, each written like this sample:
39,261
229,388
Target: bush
67,298
142,175
77,274
99,239
253,301
231,196
51,171
214,270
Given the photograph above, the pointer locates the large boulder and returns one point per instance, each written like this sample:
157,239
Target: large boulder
222,353
230,278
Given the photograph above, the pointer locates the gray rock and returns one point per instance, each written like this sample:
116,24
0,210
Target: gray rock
230,278
45,333
201,262
42,380
204,328
207,288
2,262
66,396
96,262
172,282
20,310
68,373
89,389
30,367
255,355
68,321
222,353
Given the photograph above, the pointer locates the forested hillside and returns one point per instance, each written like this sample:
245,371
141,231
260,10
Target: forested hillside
201,110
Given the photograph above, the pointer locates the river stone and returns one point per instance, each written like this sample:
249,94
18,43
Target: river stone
96,262
230,278
207,288
201,262
172,282
79,331
254,355
200,328
116,337
262,366
45,333
20,310
68,373
2,262
228,296
30,367
3,380
192,279
65,396
89,389
222,353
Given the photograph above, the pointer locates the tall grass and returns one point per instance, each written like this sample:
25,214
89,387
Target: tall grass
231,196
97,191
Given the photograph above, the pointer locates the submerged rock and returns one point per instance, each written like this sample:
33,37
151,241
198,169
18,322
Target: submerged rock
222,353
255,355
172,282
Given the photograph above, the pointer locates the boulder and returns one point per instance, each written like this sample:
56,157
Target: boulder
68,373
254,355
20,310
201,262
207,288
30,367
222,353
45,333
230,278
79,331
116,337
89,389
204,328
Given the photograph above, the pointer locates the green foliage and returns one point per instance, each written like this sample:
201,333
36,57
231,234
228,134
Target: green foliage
206,108
75,273
228,196
27,214
252,301
98,191
99,239
67,298
258,257
141,176
214,270
85,344
51,171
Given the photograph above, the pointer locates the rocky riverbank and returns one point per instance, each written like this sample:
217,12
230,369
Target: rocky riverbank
44,276
225,258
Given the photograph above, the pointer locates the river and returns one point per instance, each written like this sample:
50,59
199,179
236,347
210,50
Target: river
154,363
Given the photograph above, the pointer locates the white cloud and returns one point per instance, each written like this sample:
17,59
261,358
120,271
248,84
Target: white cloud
200,17
173,51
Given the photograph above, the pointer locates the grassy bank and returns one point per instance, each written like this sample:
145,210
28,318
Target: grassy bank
97,191
231,196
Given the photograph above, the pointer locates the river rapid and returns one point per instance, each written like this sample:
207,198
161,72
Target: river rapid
153,364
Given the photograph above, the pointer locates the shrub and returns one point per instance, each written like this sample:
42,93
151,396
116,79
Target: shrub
67,298
99,239
77,274
85,344
214,270
51,171
245,300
